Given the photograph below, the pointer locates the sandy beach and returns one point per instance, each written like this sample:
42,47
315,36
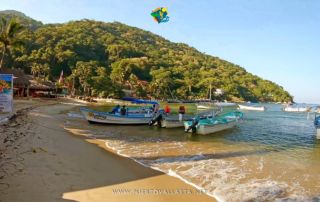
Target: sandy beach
41,161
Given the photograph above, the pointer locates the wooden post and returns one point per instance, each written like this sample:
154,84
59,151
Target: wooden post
210,91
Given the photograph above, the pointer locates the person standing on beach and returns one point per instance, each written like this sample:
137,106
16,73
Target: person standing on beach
167,109
182,111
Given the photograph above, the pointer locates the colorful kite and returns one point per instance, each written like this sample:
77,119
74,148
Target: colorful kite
160,15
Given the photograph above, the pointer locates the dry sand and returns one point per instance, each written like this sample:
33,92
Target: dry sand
40,161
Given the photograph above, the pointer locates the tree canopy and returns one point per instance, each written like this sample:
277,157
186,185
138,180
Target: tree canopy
102,58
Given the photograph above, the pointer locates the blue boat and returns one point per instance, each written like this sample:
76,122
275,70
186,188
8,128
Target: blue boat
133,116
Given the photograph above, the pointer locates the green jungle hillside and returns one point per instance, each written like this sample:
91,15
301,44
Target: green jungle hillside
21,18
101,59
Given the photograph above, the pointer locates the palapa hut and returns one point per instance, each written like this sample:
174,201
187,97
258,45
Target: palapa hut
26,85
21,82
41,89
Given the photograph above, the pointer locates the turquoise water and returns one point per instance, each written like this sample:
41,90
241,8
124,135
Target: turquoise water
270,156
277,129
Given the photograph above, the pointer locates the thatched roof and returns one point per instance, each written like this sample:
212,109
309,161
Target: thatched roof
20,80
41,85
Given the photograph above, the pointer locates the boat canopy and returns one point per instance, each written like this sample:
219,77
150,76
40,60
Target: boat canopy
139,101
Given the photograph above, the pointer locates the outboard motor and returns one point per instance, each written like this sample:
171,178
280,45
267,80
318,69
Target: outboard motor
157,118
193,126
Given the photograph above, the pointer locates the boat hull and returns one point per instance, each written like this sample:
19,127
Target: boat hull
225,104
171,124
172,121
204,107
105,118
252,108
216,104
292,109
209,129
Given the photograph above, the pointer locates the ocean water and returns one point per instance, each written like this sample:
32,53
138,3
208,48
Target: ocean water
270,156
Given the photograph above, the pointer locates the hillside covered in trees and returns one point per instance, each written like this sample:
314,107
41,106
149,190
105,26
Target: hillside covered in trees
101,59
22,18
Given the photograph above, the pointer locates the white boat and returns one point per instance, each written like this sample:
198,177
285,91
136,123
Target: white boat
317,125
205,105
296,109
318,133
252,108
211,105
213,124
169,121
93,116
172,121
225,104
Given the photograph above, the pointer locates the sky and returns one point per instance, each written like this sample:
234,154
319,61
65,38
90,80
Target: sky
278,40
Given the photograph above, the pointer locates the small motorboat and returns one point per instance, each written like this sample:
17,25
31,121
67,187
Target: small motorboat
205,105
210,105
169,121
296,109
317,125
173,121
225,104
252,108
213,124
132,116
93,116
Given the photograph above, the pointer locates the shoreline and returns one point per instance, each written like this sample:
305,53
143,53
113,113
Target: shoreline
53,165
104,145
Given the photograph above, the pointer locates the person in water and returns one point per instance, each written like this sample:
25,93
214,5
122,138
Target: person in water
123,110
182,111
115,109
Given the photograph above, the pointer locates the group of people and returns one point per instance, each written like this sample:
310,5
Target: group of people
167,110
155,109
123,111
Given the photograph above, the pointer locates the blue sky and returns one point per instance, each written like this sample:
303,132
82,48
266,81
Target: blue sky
278,40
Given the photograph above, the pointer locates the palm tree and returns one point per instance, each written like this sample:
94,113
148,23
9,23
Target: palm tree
9,29
40,71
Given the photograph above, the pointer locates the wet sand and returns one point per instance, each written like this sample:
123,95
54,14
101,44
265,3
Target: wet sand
41,161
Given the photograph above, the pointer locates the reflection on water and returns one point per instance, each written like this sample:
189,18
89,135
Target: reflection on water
272,155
